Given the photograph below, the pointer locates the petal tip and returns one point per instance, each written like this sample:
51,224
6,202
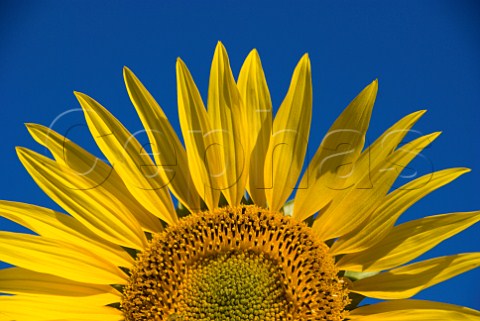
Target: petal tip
220,46
21,151
126,71
433,136
373,86
31,125
220,56
180,63
304,64
32,128
465,170
79,95
254,55
305,58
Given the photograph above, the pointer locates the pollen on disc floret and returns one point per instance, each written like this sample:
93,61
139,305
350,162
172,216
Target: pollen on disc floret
235,263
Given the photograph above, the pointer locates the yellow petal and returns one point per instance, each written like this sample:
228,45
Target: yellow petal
289,140
129,159
22,281
407,241
393,205
97,209
258,105
43,308
408,310
50,256
351,208
385,145
62,227
339,150
405,282
169,154
227,119
378,152
200,140
89,166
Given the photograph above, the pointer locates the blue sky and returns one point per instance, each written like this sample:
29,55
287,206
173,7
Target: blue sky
424,53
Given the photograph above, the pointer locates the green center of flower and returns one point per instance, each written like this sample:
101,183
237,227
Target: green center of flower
236,264
233,286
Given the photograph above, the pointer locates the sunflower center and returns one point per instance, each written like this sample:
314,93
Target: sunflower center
233,285
242,263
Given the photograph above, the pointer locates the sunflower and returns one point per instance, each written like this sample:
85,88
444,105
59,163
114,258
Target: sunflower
237,246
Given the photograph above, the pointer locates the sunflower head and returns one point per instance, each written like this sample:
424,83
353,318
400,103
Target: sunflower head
239,245
239,263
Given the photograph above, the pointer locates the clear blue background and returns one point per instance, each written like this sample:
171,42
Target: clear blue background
424,53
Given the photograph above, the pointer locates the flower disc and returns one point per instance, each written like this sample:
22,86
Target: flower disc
235,263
